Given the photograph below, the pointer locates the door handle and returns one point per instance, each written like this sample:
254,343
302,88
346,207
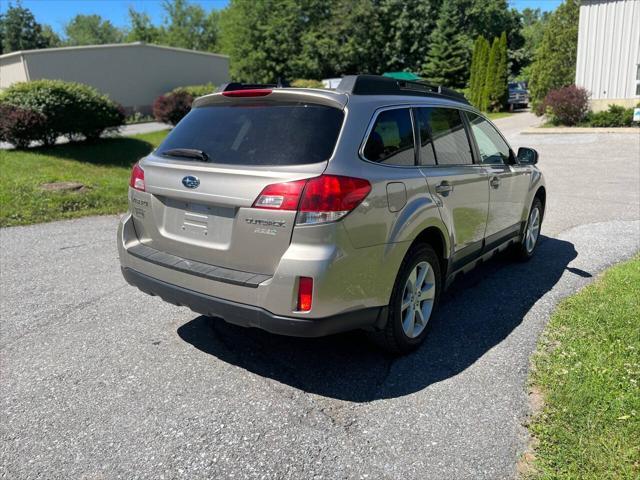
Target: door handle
495,182
444,189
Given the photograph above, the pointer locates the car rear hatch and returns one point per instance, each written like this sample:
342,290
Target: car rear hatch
201,183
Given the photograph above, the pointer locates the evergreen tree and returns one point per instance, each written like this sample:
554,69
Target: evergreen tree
482,71
447,63
490,77
408,25
554,65
500,89
478,70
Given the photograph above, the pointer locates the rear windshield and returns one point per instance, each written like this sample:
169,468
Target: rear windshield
259,134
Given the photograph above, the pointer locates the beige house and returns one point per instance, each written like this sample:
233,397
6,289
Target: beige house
609,52
132,74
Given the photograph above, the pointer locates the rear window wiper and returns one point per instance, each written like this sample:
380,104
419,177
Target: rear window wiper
186,153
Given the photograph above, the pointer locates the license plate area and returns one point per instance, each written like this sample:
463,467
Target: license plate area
198,223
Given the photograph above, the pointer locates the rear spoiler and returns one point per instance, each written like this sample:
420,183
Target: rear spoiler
232,86
268,94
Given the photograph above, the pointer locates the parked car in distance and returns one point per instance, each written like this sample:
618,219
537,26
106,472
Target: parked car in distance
308,212
518,95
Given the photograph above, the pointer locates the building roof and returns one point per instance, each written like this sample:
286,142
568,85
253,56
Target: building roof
109,45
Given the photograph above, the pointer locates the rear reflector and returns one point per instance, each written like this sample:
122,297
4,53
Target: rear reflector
305,294
137,178
258,92
326,198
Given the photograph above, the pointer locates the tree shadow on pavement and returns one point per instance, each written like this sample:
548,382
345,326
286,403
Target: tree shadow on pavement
476,313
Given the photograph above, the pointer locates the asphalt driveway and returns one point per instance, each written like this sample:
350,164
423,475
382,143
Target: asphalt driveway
99,381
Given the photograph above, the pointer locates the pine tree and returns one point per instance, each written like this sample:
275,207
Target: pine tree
447,61
473,71
478,70
490,77
500,93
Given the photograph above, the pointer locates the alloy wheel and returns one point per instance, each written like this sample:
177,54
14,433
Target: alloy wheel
533,230
417,299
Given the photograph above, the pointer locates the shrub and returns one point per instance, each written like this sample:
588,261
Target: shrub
20,126
567,105
172,107
307,83
196,90
71,109
615,116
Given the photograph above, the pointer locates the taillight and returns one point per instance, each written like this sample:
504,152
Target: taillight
326,198
305,294
256,92
137,178
280,196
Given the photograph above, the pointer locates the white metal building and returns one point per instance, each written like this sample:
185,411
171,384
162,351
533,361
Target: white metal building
609,52
132,74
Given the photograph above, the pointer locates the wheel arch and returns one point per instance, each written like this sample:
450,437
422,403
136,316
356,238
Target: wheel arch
435,237
541,194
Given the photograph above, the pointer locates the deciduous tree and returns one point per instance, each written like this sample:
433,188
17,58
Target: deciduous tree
141,28
554,65
20,31
91,30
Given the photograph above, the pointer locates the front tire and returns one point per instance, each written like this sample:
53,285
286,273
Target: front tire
413,301
526,248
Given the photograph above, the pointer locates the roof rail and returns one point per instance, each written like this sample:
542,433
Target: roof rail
378,85
226,87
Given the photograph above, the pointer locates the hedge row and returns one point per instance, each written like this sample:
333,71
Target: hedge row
44,110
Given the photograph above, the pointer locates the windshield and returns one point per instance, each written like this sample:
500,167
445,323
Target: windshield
258,133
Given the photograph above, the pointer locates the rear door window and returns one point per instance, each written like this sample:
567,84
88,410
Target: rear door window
260,133
391,139
450,140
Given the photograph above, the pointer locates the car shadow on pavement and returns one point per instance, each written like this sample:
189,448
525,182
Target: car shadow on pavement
477,312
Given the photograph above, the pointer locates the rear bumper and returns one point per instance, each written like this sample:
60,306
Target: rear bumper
251,316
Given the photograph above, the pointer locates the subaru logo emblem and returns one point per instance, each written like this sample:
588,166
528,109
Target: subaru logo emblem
190,181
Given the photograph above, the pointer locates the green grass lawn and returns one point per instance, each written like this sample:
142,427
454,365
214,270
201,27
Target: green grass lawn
588,370
103,167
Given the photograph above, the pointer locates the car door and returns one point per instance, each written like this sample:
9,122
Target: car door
507,182
459,186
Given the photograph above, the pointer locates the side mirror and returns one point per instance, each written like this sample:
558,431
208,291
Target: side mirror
527,156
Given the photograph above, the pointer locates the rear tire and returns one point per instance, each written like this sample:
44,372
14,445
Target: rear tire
414,300
524,250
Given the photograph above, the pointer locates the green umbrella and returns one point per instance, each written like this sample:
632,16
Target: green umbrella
402,76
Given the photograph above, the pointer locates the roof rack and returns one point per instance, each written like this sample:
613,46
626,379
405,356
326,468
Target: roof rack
378,85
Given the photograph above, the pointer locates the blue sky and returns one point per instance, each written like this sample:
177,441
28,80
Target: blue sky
57,12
